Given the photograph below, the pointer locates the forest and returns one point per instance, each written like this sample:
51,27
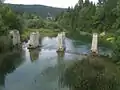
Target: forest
40,10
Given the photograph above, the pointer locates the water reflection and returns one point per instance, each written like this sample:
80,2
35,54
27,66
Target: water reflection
48,78
49,43
60,66
34,54
47,70
60,57
8,64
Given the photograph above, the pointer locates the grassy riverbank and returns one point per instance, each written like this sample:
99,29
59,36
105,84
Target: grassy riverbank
105,40
42,31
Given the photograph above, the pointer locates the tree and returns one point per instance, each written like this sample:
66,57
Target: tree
116,49
116,12
9,20
36,22
87,16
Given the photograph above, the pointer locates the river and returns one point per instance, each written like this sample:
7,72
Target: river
41,69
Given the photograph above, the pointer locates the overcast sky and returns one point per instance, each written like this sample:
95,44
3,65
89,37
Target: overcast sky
54,3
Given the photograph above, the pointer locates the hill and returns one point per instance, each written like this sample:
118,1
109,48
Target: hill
37,9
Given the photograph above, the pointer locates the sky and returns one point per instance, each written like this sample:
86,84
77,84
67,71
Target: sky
54,3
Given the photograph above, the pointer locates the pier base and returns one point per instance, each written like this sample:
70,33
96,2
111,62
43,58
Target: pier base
61,50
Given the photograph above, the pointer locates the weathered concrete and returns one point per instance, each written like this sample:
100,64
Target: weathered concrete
94,47
34,40
61,42
15,36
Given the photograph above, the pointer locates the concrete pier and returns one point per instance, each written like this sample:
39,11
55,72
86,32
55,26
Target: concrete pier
34,40
94,46
61,42
15,36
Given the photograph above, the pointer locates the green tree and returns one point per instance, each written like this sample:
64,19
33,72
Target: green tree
35,22
116,49
9,20
87,16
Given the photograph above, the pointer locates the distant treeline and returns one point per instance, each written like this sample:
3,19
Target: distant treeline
40,10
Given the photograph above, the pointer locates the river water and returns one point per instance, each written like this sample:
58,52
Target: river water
40,69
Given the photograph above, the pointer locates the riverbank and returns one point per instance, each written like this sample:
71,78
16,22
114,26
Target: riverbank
92,70
9,54
103,39
43,32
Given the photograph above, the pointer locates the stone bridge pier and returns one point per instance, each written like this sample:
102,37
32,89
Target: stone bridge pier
94,46
61,42
34,40
15,37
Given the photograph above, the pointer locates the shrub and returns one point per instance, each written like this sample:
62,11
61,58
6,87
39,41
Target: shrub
116,49
35,23
89,75
5,44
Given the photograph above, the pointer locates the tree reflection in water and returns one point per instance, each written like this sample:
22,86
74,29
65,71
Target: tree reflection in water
51,73
48,79
91,74
8,64
34,54
61,67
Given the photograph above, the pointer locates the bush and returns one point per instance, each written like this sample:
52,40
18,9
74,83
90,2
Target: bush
35,23
9,20
52,25
89,74
116,49
5,44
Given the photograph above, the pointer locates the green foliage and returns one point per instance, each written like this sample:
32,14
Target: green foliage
52,25
86,16
116,49
90,74
5,44
9,20
35,23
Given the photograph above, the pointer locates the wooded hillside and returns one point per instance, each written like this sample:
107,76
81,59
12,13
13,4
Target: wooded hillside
37,9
